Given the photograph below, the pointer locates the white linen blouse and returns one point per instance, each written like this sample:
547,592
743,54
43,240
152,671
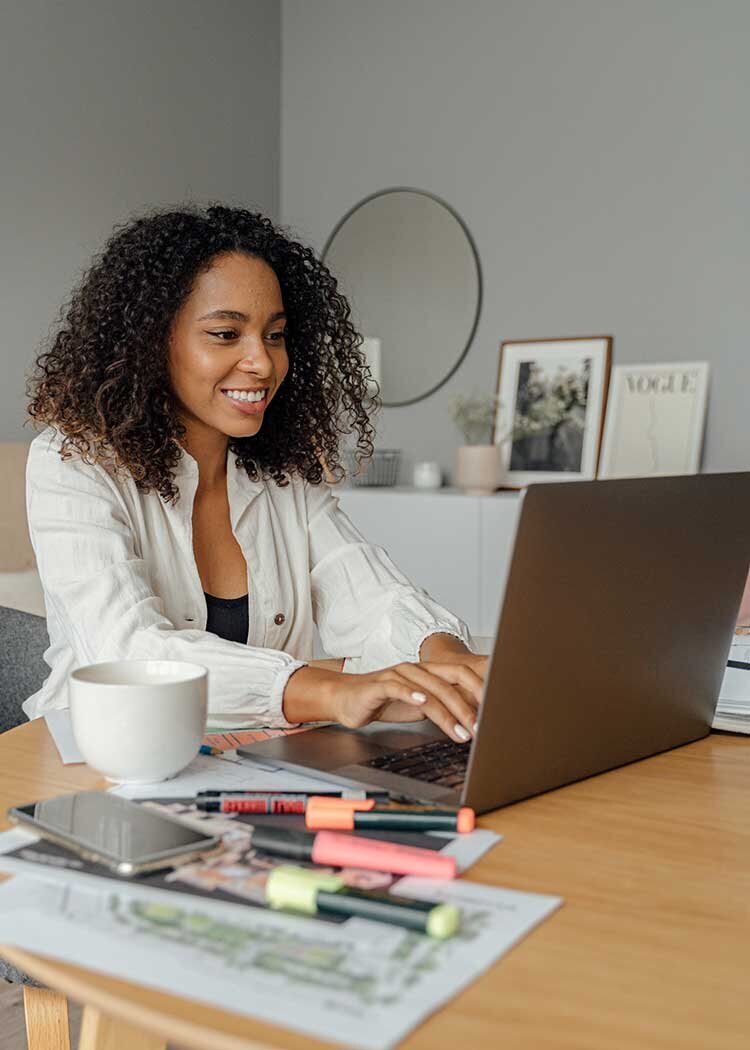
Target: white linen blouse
120,582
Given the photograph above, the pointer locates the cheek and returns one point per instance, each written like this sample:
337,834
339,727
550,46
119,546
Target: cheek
191,368
194,379
205,370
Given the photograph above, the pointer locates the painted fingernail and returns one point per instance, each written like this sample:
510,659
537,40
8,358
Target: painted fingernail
419,697
461,733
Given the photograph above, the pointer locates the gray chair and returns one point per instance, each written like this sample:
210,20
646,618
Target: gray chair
23,639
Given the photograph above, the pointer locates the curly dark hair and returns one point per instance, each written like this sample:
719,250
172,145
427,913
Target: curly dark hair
102,381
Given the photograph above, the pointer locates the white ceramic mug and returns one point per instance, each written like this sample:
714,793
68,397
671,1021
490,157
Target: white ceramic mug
139,721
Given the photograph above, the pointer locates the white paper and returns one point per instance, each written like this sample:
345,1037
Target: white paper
363,984
733,708
223,773
61,731
736,687
740,649
468,848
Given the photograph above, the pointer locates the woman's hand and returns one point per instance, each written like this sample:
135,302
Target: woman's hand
447,692
444,686
446,648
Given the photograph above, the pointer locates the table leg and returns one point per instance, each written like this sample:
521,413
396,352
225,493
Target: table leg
46,1019
100,1032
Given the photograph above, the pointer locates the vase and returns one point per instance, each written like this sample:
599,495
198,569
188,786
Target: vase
479,469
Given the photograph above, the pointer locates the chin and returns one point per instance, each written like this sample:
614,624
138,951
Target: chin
242,429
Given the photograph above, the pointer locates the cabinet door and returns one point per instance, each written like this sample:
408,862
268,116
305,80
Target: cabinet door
433,538
498,516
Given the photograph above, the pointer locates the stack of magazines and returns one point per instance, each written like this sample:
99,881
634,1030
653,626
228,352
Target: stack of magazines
733,709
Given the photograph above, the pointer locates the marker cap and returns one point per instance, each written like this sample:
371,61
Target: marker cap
290,887
321,814
443,921
336,813
466,820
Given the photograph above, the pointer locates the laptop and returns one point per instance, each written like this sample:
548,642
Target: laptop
618,611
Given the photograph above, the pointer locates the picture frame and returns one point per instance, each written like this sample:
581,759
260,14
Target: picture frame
552,396
655,420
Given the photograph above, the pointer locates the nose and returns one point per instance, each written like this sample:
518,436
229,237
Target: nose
256,360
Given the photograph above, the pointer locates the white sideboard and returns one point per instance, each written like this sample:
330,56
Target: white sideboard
454,546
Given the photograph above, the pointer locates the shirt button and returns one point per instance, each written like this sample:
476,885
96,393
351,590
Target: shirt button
278,619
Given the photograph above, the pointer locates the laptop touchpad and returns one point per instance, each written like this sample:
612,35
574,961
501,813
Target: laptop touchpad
323,749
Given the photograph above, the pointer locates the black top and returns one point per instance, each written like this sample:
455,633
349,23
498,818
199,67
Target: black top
228,617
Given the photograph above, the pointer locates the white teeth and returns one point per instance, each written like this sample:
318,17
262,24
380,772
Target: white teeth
246,395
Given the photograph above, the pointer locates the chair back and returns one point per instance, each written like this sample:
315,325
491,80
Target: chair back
23,640
16,552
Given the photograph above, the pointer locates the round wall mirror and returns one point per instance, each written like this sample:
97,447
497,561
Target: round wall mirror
409,267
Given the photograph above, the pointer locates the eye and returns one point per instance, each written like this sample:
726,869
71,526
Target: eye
225,334
278,337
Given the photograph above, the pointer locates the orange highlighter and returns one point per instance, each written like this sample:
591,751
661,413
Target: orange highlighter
324,812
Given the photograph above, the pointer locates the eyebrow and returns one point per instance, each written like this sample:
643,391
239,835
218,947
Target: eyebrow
237,315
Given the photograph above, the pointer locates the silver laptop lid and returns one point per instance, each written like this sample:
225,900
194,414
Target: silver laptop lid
619,609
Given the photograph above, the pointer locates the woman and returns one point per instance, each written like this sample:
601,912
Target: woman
203,371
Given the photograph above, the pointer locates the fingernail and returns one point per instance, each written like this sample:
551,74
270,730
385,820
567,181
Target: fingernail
461,733
476,727
419,697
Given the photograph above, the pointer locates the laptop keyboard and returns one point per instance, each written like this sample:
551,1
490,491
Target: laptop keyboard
438,762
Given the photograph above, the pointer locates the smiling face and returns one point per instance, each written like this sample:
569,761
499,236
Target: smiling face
227,352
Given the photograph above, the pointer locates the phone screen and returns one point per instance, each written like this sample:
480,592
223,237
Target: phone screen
111,826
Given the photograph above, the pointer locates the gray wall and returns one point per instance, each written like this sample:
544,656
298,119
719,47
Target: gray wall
598,151
109,107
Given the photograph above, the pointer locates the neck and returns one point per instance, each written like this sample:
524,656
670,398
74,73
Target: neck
208,447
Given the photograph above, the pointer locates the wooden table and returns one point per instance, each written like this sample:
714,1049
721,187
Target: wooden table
651,949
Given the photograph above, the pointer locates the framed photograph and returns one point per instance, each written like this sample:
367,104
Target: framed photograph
551,399
655,420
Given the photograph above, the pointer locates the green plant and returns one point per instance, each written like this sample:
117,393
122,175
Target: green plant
475,416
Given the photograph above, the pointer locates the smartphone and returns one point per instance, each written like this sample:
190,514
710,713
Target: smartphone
127,838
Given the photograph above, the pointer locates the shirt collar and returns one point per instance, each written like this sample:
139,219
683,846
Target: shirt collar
186,465
241,489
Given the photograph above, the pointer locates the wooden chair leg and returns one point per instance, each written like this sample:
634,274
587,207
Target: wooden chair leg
99,1032
46,1019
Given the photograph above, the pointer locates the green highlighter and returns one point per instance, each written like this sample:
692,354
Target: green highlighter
317,893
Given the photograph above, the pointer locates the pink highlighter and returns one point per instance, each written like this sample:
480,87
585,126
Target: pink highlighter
336,849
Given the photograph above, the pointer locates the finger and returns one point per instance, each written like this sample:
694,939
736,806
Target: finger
446,720
459,674
479,664
366,698
400,686
438,713
448,682
395,711
462,706
393,687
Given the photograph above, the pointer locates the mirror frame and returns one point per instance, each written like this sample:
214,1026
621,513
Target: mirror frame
475,255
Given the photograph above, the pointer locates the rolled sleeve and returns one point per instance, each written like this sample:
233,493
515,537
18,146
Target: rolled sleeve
365,608
99,590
